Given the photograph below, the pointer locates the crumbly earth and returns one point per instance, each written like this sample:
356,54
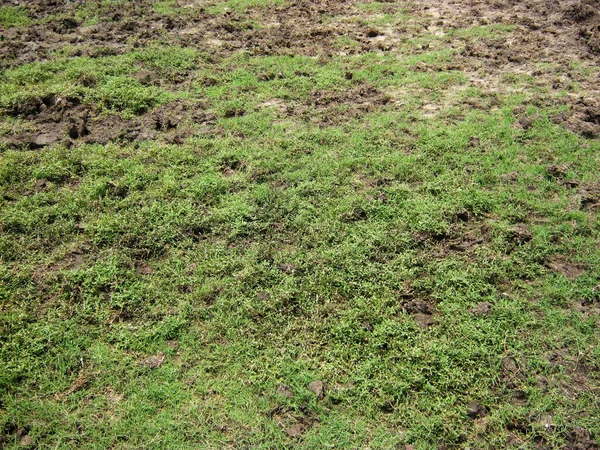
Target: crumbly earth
300,223
557,33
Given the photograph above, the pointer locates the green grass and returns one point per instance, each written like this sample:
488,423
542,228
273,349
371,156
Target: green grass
171,7
107,82
281,248
11,16
241,5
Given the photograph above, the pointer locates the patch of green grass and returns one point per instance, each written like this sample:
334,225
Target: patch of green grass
240,5
168,7
106,81
484,31
12,16
90,13
384,14
213,243
158,295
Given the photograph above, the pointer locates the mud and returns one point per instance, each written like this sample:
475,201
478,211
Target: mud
65,120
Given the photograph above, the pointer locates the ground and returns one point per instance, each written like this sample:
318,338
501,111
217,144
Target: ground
300,224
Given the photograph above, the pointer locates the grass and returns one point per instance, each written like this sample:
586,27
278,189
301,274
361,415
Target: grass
171,7
281,249
12,16
107,81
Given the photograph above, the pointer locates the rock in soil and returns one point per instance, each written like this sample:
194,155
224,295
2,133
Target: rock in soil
319,388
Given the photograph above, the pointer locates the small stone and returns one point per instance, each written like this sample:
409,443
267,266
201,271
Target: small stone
153,362
284,391
26,441
482,308
318,387
475,410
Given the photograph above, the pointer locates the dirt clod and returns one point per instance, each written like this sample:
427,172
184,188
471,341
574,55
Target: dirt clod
318,388
415,306
475,410
520,234
26,441
284,391
557,170
153,362
482,309
509,365
297,430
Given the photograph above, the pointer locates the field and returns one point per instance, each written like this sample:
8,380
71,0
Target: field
300,224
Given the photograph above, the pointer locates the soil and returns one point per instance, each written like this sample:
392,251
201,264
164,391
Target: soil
566,268
561,33
295,422
580,439
64,120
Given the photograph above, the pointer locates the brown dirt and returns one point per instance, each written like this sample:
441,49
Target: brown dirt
65,120
301,27
322,106
558,32
590,195
546,30
581,439
294,422
566,268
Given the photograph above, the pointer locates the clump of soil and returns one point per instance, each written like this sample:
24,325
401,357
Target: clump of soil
335,107
65,120
581,439
299,28
555,32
